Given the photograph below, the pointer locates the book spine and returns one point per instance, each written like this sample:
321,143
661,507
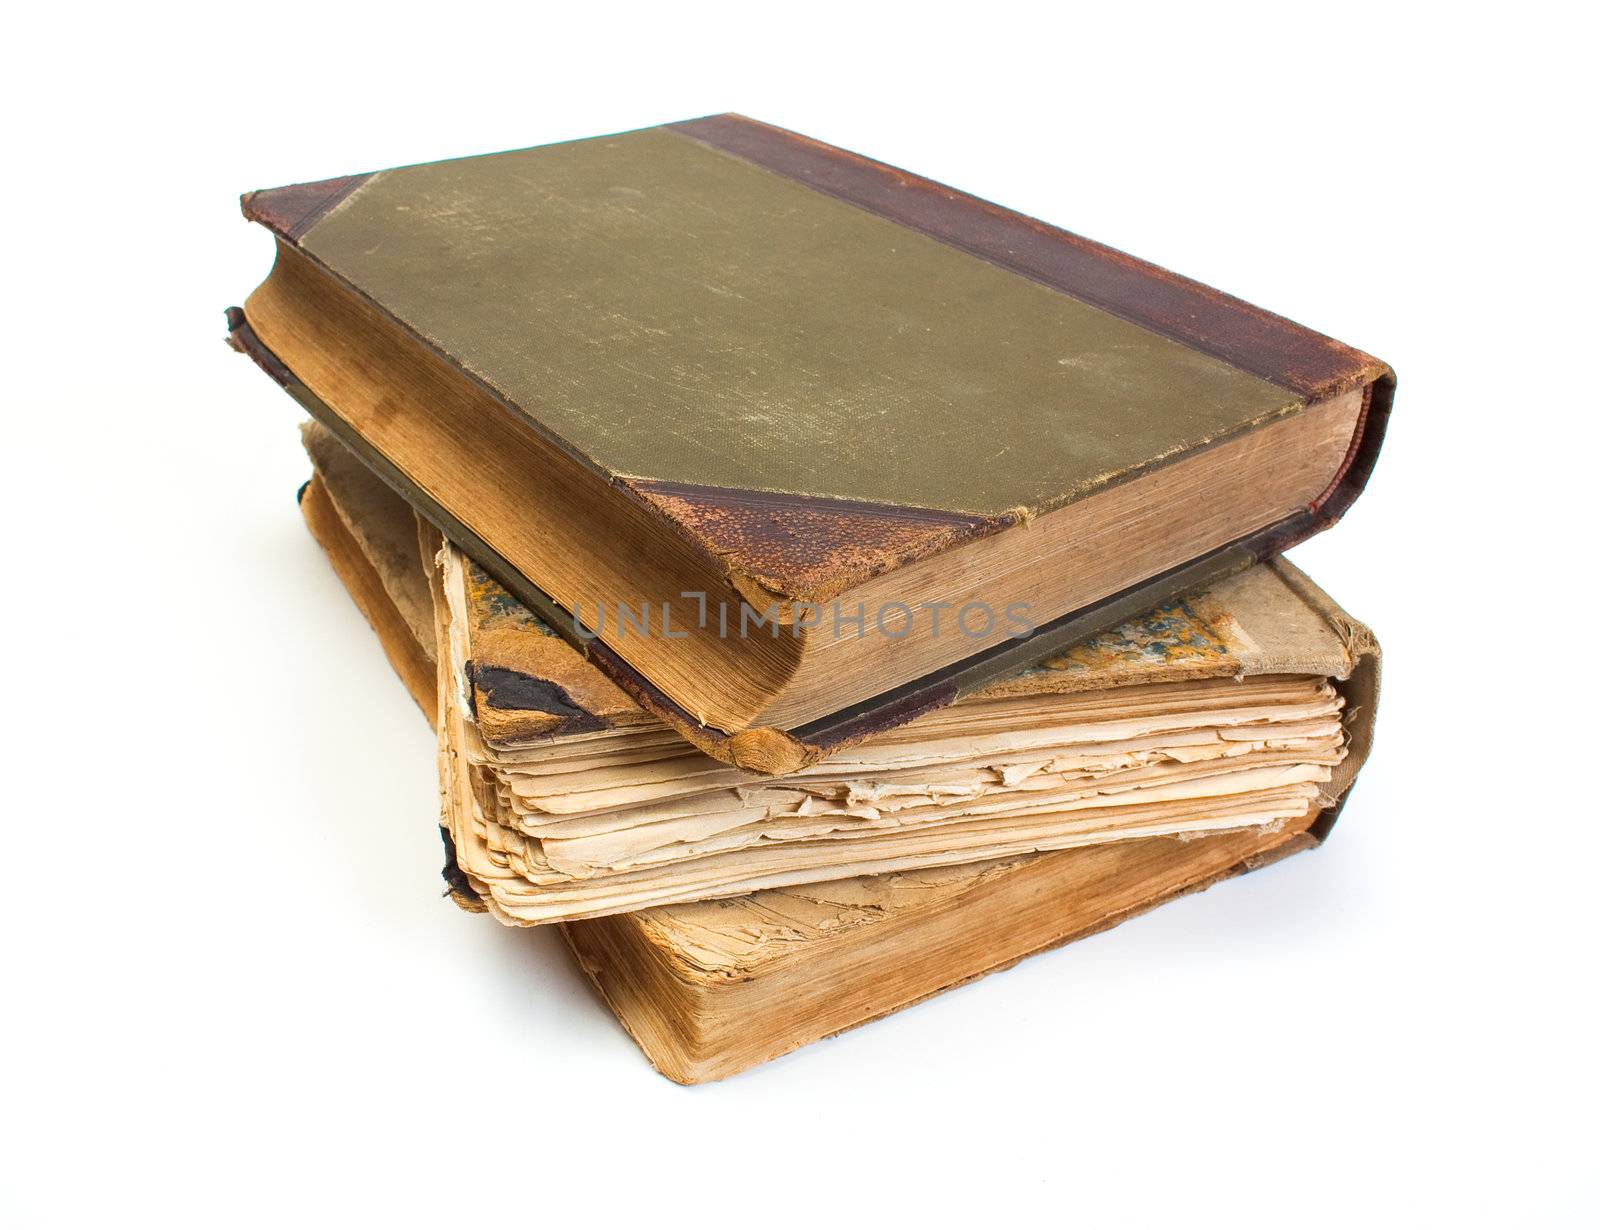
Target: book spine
1252,339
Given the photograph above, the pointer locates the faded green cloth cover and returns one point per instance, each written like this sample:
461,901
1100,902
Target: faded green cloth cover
674,313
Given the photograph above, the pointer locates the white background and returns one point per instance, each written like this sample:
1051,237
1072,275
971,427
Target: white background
232,992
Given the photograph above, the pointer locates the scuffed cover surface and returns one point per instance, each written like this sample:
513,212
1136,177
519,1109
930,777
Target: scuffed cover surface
808,547
668,312
526,682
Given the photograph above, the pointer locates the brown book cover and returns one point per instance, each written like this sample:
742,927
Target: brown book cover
816,374
709,989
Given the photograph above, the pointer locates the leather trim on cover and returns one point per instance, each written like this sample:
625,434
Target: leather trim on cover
1250,338
293,210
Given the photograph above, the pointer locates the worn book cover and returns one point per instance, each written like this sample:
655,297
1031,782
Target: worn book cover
799,375
711,988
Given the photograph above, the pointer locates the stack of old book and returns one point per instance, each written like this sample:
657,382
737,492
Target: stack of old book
827,587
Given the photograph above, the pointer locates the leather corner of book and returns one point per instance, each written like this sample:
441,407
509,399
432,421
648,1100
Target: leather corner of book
294,209
244,340
511,704
806,548
458,886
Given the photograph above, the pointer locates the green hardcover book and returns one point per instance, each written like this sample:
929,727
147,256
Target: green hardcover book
796,446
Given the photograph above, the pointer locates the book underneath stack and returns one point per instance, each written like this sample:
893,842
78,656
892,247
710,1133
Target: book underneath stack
1247,709
826,587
